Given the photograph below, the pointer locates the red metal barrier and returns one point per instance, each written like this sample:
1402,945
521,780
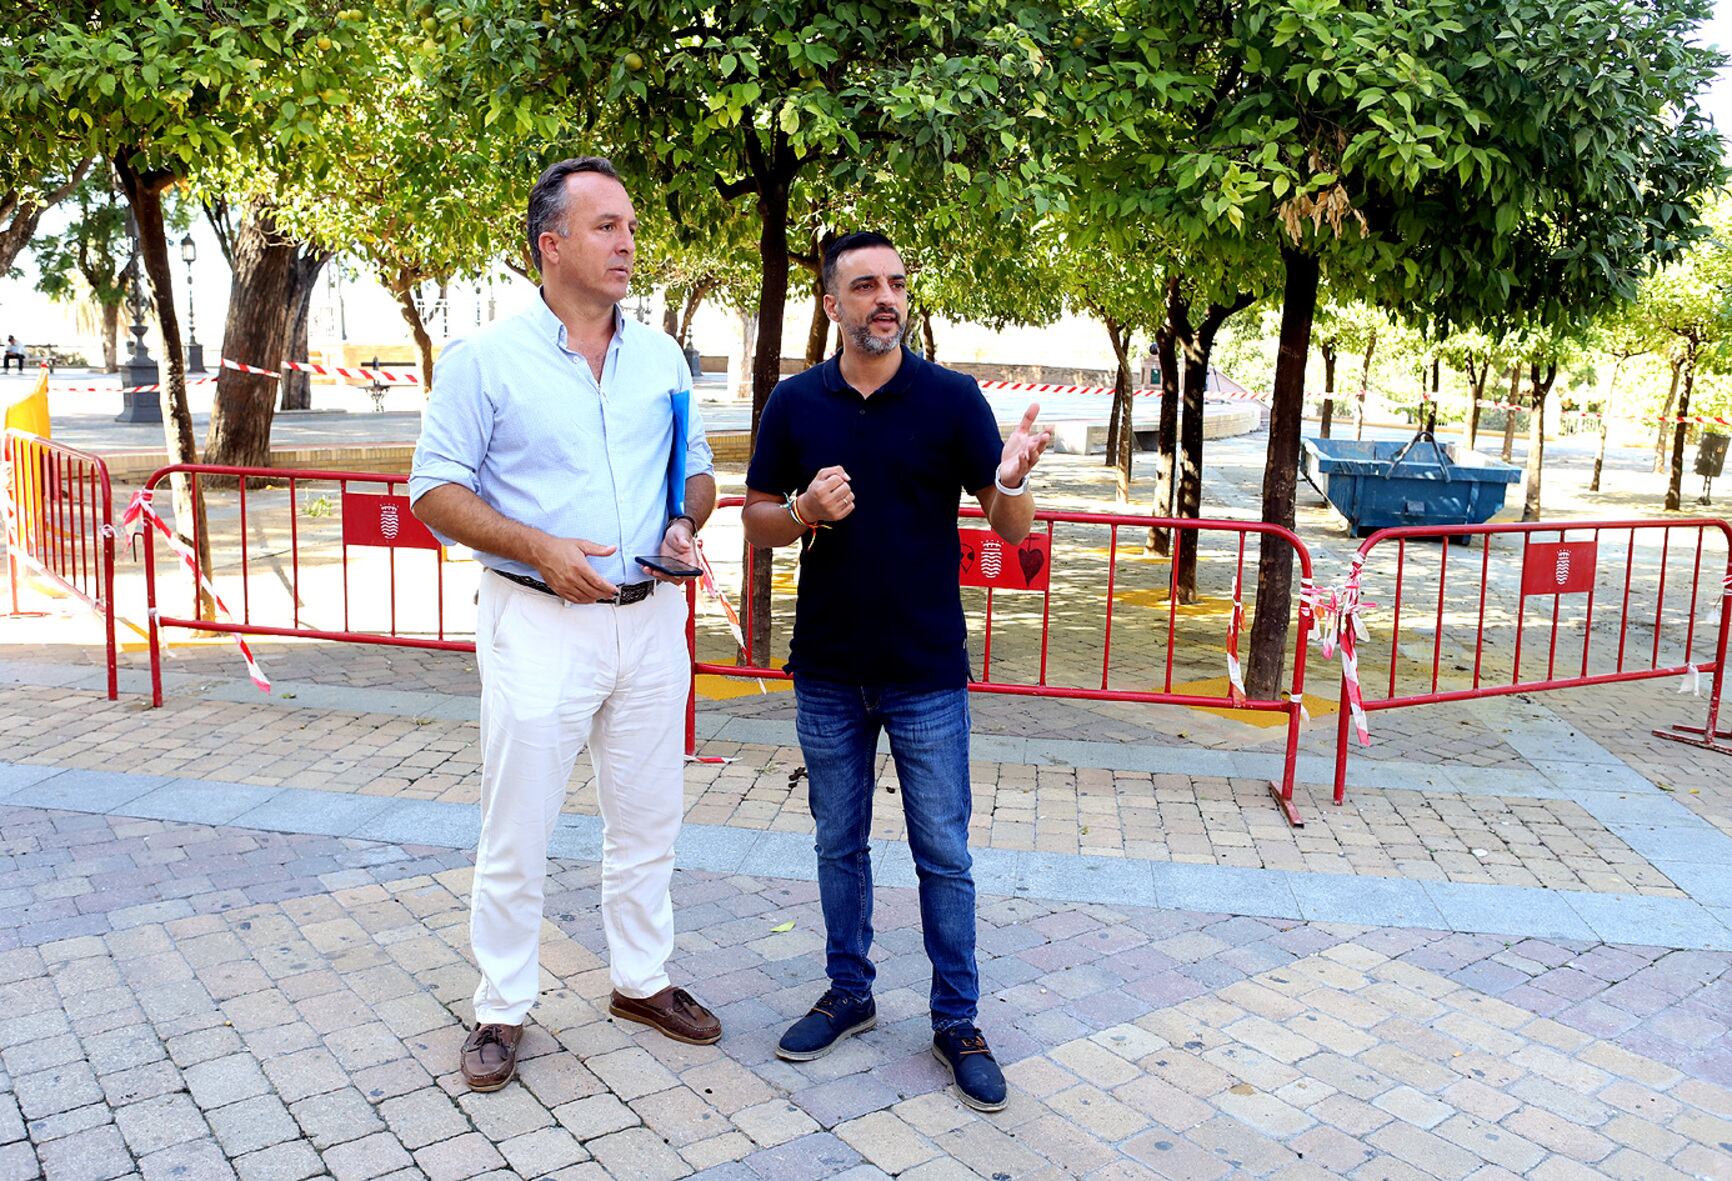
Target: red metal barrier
368,519
1043,682
60,523
1560,562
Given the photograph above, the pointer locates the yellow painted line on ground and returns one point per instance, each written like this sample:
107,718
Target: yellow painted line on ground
1217,687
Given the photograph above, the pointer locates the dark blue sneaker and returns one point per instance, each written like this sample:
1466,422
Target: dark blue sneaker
979,1081
833,1018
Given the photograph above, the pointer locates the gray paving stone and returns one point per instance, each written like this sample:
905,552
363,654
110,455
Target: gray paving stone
198,1160
197,801
1109,880
18,1162
1709,884
1506,910
1372,902
62,1088
92,1155
294,1161
819,1154
713,847
160,1123
1225,889
15,777
78,790
1638,919
305,811
424,822
226,1080
364,1159
336,1118
252,1124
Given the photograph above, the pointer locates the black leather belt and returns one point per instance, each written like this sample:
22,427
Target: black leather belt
631,592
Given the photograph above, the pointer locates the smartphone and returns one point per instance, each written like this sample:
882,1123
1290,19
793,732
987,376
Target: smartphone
672,567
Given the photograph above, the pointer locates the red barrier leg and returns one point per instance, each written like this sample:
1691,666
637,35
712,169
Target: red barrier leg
1283,791
1341,720
692,660
1708,736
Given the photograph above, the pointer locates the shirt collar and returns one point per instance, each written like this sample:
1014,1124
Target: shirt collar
551,326
834,382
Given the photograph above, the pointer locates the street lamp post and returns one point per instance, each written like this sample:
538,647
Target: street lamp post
194,350
140,368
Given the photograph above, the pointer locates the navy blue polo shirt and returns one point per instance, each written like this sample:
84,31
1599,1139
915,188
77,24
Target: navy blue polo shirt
879,602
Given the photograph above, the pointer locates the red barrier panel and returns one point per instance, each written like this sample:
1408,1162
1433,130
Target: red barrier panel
60,524
370,514
1031,568
1605,578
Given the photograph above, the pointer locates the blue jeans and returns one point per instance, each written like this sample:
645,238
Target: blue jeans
838,726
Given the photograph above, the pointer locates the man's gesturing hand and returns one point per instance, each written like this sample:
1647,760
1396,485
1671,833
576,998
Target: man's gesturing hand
564,566
828,498
1023,449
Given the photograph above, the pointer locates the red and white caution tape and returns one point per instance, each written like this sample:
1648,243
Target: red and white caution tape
1693,419
1035,387
713,589
154,387
1235,623
379,375
240,368
1340,627
140,510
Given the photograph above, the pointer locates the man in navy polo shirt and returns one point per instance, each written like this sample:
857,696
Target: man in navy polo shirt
864,459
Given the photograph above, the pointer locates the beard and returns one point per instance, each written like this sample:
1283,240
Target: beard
873,345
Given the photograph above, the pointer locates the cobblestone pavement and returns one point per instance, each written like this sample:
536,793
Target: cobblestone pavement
189,1001
1425,834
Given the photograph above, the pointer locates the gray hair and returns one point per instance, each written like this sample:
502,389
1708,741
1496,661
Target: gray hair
547,200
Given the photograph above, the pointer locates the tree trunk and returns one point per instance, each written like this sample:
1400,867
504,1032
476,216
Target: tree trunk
766,372
1280,476
671,300
1328,352
110,335
699,292
1541,385
1364,383
820,331
1476,380
1515,391
927,340
1167,432
1119,437
297,386
1431,408
1605,423
144,192
1664,433
1199,349
268,288
402,288
1674,487
24,213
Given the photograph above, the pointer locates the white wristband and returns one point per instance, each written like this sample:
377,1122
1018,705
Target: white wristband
1019,490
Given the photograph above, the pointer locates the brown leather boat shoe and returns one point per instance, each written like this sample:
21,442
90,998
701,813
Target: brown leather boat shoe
672,1012
490,1056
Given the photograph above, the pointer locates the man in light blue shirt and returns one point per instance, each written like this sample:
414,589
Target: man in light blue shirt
562,445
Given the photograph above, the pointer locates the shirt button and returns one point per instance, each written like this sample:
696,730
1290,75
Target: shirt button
862,412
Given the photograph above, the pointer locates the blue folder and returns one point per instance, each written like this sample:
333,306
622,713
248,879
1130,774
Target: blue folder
682,407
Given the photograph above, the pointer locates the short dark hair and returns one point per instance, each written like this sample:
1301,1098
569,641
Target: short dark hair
547,198
847,244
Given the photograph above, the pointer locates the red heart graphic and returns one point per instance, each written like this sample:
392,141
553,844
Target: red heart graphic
1031,560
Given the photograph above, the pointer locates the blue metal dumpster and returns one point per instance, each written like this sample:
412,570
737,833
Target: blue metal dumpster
1419,482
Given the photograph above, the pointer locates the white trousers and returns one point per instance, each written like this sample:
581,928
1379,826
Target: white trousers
554,678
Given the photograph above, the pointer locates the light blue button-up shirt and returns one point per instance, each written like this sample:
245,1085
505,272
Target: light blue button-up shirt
519,419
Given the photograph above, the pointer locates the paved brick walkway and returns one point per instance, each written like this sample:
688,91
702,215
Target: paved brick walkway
190,1001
